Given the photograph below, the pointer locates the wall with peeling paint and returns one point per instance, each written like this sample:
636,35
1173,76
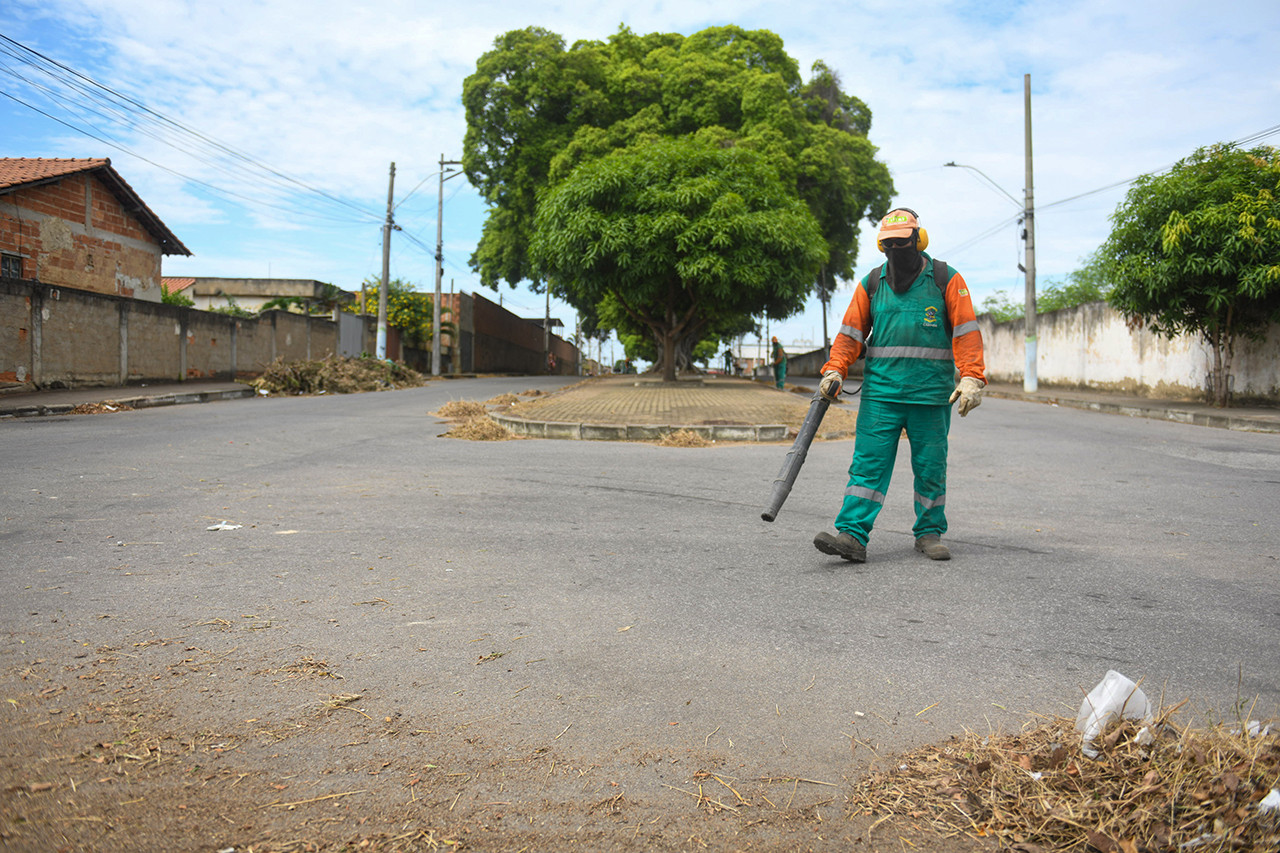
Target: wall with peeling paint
1090,346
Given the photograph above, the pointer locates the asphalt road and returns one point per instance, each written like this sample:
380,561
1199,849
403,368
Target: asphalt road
610,597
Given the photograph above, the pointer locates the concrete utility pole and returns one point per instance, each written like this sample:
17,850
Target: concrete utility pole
435,306
386,269
1029,379
822,290
1029,383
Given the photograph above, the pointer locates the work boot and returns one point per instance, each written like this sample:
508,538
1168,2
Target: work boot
931,546
841,545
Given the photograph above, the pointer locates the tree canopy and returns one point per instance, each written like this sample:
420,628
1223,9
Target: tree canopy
1197,250
678,234
537,112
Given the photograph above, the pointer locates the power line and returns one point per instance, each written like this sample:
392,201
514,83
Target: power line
130,113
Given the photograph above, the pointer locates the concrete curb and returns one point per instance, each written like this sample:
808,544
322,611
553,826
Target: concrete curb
639,432
1223,420
137,402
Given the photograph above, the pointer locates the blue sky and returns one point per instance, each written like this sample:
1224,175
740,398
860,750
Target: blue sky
301,106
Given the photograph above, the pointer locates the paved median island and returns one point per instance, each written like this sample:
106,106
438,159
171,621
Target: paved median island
641,408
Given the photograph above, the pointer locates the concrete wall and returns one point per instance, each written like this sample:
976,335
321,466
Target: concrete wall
60,337
74,233
1091,346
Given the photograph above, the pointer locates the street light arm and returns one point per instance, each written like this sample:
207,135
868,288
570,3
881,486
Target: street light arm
954,164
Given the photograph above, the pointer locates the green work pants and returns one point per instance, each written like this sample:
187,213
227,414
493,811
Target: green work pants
780,374
880,425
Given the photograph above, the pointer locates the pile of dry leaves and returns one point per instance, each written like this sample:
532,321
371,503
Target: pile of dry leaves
683,438
336,375
1192,790
473,422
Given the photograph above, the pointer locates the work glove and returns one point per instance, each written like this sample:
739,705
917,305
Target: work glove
830,385
969,393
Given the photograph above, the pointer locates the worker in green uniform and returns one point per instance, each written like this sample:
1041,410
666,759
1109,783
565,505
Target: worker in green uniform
925,332
779,363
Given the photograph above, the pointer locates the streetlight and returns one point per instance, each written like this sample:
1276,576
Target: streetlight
986,177
435,306
1029,381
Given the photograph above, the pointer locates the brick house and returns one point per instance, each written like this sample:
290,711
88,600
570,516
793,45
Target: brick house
76,223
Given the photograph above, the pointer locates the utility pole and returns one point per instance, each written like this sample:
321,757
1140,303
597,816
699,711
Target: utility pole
546,333
435,306
1029,379
822,291
386,269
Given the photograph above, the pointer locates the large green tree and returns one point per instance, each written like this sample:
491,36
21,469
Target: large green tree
678,235
1196,250
537,111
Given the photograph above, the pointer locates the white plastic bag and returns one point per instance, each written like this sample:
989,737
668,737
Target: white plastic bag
1114,696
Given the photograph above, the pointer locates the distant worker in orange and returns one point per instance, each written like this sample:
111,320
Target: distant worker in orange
924,331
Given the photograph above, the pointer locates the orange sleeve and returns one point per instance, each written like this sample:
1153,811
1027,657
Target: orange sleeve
966,338
852,336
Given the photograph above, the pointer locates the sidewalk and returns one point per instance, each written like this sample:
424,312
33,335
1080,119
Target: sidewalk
643,408
1245,418
62,401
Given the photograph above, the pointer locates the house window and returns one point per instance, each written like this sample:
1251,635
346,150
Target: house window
10,266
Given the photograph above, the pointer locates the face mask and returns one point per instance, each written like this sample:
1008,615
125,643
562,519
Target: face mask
904,266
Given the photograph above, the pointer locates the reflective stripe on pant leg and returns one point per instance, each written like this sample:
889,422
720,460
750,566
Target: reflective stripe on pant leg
927,428
874,451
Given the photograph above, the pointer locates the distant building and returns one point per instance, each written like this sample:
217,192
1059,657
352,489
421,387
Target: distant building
252,293
76,223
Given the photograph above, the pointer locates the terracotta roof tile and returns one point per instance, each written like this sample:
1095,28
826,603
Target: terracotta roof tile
16,171
173,285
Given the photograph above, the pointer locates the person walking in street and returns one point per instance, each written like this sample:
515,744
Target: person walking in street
924,331
779,363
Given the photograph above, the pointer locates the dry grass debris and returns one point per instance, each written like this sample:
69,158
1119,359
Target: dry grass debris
461,410
336,375
483,428
103,408
474,423
1194,790
502,400
683,438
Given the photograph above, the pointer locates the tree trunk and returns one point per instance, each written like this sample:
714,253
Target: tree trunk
668,356
1223,343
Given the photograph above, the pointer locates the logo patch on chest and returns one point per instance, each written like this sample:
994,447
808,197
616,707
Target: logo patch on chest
930,317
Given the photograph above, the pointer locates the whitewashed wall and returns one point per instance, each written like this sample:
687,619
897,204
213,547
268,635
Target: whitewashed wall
1091,347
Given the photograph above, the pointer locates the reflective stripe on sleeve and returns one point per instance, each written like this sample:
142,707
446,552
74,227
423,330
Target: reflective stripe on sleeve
930,503
865,493
909,352
965,328
852,332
